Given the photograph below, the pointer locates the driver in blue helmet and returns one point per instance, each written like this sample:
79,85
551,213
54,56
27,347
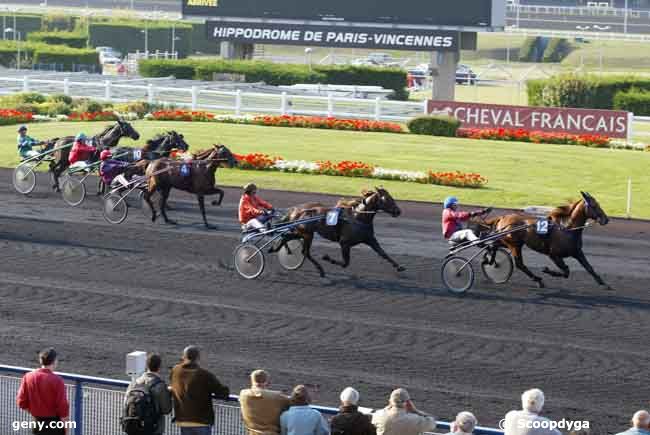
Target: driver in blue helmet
453,220
26,144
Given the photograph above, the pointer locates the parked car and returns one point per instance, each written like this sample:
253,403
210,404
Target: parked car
377,59
465,75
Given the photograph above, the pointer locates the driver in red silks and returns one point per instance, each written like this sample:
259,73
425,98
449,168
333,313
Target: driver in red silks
254,212
81,151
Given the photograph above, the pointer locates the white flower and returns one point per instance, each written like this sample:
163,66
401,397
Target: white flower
295,166
396,174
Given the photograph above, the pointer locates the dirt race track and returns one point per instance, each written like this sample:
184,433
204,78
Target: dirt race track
97,291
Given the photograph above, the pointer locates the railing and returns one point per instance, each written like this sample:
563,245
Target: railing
238,102
96,406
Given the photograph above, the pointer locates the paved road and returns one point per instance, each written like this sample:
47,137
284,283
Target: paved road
96,292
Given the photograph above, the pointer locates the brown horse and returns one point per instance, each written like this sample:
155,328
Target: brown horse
108,138
564,238
354,226
197,176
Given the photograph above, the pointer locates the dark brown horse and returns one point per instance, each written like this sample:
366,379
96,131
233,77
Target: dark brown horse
355,226
197,177
564,238
108,138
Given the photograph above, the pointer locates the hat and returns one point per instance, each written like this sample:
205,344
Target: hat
399,397
105,155
21,128
250,187
80,136
350,395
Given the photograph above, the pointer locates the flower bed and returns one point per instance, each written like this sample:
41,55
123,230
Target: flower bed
520,135
180,115
91,116
261,162
10,116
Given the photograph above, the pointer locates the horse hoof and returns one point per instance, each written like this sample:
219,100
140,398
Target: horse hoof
210,227
215,203
170,222
326,258
540,284
401,268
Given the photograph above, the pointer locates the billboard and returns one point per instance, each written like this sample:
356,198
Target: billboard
333,36
610,123
458,13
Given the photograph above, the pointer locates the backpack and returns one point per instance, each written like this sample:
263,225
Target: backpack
140,415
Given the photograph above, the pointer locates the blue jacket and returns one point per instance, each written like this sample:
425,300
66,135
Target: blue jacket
303,420
25,144
635,431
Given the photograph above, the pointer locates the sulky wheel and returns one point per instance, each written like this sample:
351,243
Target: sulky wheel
74,191
457,274
249,260
291,255
115,208
24,177
497,265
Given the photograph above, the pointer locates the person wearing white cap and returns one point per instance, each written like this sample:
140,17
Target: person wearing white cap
464,424
528,421
640,424
401,417
349,421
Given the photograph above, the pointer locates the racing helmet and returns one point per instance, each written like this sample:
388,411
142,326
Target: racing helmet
105,155
250,187
22,128
450,201
80,136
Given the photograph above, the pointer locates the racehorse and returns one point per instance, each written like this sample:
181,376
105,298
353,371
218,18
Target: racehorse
355,226
197,176
108,138
563,240
157,147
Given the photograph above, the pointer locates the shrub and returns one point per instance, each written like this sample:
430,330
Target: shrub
54,108
140,108
556,50
60,98
528,50
634,100
69,39
27,108
587,91
58,23
90,106
280,74
25,23
127,35
437,125
65,56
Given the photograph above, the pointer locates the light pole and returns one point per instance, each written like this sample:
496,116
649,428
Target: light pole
16,34
174,38
602,29
625,19
146,39
308,51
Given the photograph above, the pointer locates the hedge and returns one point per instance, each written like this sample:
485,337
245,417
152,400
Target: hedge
43,53
436,125
69,39
128,36
59,23
200,43
634,100
279,74
25,23
528,50
556,50
582,91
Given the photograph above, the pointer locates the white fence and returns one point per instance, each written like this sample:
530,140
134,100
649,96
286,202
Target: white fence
238,102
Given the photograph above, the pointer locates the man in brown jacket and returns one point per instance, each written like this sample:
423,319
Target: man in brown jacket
261,407
193,389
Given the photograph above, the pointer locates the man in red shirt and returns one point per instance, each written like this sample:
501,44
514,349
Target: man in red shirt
81,151
42,394
254,212
453,219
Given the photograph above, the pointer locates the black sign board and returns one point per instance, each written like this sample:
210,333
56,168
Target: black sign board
467,13
333,36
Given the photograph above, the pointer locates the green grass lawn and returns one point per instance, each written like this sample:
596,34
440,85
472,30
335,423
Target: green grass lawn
519,174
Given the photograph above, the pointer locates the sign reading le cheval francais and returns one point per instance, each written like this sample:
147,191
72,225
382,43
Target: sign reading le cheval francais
332,36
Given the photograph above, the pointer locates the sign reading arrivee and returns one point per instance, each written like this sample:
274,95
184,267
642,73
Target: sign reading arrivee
610,123
333,36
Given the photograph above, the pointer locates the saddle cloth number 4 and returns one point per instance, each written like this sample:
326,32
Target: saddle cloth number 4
542,226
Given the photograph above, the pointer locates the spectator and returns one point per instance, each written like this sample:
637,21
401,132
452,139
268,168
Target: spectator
464,424
193,389
300,418
42,394
349,421
640,424
523,422
150,383
260,407
401,417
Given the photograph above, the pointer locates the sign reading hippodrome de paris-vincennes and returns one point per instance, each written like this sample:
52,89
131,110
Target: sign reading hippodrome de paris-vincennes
610,123
333,36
